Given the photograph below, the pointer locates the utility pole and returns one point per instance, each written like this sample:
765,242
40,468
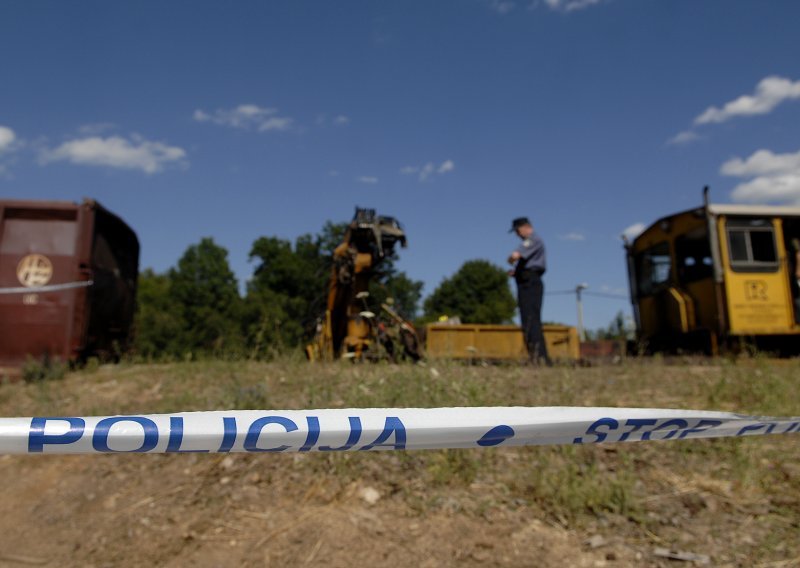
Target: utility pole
578,289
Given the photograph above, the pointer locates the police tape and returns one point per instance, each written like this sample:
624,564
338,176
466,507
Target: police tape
47,288
372,429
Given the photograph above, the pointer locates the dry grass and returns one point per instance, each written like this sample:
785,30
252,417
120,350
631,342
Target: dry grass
737,501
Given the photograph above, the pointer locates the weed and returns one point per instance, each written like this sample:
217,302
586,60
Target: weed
453,467
755,388
45,369
570,482
92,365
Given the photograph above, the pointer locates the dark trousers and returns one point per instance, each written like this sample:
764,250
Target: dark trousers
530,291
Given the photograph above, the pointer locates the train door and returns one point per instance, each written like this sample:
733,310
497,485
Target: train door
653,268
756,281
791,239
695,275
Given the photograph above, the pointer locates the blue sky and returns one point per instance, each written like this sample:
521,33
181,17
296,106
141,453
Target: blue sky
236,120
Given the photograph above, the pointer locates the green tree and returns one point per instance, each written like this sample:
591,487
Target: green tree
159,323
478,293
330,237
205,289
286,292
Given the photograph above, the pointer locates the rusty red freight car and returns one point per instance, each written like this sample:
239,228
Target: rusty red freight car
68,276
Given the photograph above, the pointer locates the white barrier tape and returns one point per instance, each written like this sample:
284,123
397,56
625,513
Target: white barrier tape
372,429
48,288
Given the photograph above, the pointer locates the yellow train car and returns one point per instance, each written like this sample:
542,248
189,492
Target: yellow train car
718,276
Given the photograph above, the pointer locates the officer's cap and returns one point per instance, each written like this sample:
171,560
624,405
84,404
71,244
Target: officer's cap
517,223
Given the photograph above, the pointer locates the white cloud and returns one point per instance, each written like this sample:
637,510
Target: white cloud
7,138
8,144
333,173
762,162
570,5
783,189
502,7
367,179
775,177
337,120
683,137
117,152
633,231
429,169
447,166
275,123
246,117
770,92
426,171
574,236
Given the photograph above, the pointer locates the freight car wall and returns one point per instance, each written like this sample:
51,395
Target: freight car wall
51,253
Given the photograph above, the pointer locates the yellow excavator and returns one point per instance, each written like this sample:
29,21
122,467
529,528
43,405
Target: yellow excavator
351,328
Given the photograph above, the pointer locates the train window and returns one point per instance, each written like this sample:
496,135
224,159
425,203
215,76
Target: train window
653,268
738,240
751,243
693,257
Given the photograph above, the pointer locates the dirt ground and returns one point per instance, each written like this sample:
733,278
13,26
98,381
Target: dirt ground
723,502
212,511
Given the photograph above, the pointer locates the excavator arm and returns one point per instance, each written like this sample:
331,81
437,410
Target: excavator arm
349,327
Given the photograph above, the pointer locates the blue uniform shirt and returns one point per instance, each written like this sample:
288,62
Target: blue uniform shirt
532,256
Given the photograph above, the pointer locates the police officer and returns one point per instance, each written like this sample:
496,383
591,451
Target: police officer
529,263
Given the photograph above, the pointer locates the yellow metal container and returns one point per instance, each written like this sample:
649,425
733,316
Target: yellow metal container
496,342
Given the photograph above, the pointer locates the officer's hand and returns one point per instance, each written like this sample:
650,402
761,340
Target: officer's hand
515,256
